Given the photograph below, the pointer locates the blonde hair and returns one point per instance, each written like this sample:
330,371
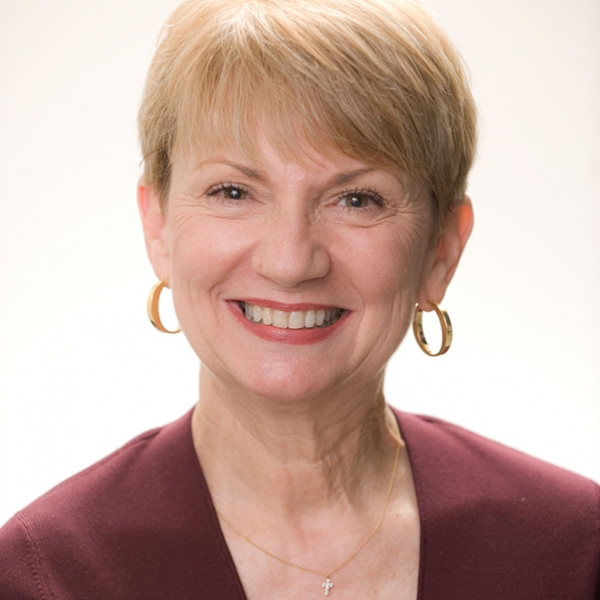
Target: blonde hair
376,79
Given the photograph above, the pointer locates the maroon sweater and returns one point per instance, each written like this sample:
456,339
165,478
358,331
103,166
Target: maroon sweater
140,525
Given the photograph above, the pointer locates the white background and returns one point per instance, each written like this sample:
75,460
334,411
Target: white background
81,370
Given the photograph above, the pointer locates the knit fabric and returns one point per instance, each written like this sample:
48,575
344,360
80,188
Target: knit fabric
140,525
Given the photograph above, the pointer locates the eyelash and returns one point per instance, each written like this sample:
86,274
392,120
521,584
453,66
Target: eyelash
370,194
226,185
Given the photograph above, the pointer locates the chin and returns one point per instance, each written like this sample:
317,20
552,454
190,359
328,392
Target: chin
285,391
286,384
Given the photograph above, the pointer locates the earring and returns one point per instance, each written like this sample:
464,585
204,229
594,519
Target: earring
152,307
445,324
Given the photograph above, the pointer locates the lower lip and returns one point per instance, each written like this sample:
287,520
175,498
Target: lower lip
287,336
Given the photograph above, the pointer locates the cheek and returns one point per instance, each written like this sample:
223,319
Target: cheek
205,253
387,265
388,278
203,246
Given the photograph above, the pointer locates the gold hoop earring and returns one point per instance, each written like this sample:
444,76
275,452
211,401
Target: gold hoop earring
152,307
445,324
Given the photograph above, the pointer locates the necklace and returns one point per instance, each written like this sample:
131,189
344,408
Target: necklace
328,583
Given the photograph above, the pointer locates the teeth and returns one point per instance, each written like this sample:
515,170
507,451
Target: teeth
257,314
280,319
296,319
267,316
309,319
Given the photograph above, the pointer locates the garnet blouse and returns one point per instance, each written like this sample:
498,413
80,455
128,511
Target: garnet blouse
140,525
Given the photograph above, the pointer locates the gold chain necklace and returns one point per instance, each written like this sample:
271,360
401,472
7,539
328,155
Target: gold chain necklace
328,583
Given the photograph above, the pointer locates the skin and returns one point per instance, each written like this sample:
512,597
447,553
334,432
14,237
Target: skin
291,428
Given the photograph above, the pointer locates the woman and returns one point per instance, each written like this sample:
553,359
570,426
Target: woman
304,189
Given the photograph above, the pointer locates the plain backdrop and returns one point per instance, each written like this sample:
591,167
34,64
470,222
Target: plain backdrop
81,369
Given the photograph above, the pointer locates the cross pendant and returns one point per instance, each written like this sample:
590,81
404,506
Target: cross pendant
327,585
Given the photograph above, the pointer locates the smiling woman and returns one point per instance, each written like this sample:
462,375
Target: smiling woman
303,195
270,238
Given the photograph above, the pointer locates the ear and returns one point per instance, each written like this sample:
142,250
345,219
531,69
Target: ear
445,254
155,229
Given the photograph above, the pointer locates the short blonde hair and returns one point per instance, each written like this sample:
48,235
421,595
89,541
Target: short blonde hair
376,79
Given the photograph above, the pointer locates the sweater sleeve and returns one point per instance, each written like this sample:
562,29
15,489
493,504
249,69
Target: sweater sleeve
20,573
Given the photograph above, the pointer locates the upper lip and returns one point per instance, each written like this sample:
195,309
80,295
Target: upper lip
287,307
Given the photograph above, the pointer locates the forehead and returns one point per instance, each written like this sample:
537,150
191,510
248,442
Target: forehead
268,163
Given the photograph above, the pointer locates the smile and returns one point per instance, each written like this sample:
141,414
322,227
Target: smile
296,319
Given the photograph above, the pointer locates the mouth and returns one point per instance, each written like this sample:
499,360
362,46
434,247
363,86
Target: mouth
296,319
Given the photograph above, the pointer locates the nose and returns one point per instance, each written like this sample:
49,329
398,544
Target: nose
290,251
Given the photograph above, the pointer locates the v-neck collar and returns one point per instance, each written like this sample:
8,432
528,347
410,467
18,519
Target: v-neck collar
213,534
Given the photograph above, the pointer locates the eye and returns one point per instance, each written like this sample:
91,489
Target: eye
228,191
360,199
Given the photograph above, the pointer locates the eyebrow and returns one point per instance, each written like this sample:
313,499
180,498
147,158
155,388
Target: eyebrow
253,174
247,171
346,177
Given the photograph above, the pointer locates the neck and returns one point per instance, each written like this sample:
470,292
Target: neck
293,458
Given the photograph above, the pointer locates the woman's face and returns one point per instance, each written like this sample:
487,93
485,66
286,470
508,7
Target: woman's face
292,281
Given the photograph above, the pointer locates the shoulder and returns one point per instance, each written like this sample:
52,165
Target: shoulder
467,462
494,518
150,460
107,516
